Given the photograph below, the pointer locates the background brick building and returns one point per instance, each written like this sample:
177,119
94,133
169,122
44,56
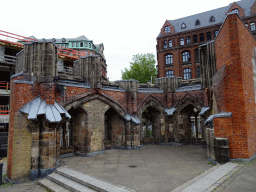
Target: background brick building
179,40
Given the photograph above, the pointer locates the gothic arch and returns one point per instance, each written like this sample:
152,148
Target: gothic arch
113,104
188,99
150,101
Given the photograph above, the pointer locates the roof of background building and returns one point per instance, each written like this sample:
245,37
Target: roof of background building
66,40
204,17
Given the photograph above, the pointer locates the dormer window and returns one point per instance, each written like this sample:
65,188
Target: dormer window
235,11
212,19
183,26
167,29
197,22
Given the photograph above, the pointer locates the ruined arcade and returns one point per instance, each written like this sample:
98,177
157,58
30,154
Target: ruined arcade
83,114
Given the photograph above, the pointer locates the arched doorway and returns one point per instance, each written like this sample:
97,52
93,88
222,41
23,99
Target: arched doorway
74,135
189,125
151,127
114,129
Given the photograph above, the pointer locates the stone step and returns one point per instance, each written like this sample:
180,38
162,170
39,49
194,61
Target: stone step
207,180
91,182
54,187
68,183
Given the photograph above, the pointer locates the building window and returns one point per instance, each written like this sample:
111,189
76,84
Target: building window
165,44
169,73
212,19
209,36
85,44
170,43
73,44
168,59
197,22
253,27
235,11
188,40
81,44
182,41
195,38
187,73
201,37
197,55
77,44
198,73
183,26
167,29
216,33
186,56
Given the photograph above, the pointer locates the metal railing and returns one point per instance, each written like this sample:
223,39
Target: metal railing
5,85
7,59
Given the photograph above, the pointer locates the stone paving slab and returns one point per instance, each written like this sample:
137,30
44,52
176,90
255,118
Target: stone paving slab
154,167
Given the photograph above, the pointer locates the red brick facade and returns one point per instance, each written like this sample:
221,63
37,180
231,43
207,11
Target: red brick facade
177,49
234,87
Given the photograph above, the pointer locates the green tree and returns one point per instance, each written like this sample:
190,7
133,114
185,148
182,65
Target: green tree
142,68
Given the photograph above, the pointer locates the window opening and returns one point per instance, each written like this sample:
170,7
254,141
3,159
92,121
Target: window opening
167,29
169,73
198,73
183,26
165,44
209,36
182,41
168,59
195,38
197,22
186,56
187,73
170,43
212,19
188,40
201,37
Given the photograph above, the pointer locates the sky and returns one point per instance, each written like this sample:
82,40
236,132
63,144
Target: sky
126,28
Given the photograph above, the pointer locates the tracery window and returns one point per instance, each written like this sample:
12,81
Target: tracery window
183,26
168,59
187,73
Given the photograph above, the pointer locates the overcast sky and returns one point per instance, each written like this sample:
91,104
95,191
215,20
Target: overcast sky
124,27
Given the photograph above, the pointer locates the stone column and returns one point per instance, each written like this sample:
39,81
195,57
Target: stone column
128,135
48,146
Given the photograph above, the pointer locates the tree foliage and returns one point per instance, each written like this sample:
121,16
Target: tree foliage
142,68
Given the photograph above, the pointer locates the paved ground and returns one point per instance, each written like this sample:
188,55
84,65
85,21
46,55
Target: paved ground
244,179
158,168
